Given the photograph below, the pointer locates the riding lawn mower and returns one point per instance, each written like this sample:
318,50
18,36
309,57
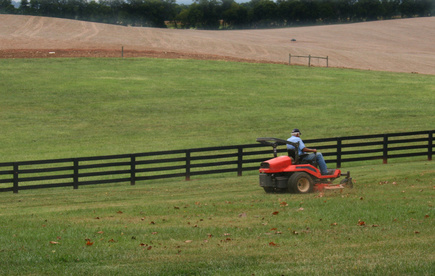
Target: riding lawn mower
289,174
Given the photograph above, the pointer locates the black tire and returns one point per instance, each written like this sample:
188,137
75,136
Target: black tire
300,183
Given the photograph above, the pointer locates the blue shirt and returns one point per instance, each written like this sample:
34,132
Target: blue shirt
295,139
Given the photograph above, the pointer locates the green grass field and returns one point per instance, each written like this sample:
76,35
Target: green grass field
55,108
225,226
212,225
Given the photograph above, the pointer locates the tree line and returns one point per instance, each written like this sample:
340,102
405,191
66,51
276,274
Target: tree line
222,14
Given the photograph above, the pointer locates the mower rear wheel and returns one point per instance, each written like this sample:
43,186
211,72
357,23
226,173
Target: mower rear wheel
300,183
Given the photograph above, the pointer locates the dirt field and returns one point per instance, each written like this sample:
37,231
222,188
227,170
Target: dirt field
402,45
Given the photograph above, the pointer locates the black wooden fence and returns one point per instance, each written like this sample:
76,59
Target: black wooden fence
130,168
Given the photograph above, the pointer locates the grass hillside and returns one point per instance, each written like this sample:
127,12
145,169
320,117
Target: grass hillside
55,108
225,226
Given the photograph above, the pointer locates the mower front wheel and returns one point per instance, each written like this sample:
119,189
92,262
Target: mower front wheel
300,183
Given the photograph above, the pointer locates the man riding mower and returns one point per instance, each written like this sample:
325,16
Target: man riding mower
294,174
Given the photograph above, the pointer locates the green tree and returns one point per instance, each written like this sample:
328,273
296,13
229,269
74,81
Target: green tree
265,13
407,8
210,13
193,16
235,16
7,7
424,7
390,8
327,11
368,9
24,7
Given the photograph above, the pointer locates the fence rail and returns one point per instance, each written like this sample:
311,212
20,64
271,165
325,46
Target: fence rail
309,57
130,168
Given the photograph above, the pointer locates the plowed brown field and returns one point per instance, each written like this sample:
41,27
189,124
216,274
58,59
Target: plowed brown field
402,45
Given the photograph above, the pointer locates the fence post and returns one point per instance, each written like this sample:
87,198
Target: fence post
327,61
239,161
430,146
133,170
289,59
76,174
309,60
187,165
338,153
15,187
385,149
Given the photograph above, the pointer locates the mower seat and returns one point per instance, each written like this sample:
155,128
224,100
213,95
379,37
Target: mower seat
293,153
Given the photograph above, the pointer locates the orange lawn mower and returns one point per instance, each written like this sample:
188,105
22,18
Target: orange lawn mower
290,174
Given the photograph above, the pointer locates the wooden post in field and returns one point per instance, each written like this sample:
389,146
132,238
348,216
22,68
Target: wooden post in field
15,180
385,149
187,177
122,51
132,169
309,60
76,174
239,161
338,153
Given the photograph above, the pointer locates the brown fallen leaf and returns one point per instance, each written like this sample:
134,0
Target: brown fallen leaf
54,242
275,213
